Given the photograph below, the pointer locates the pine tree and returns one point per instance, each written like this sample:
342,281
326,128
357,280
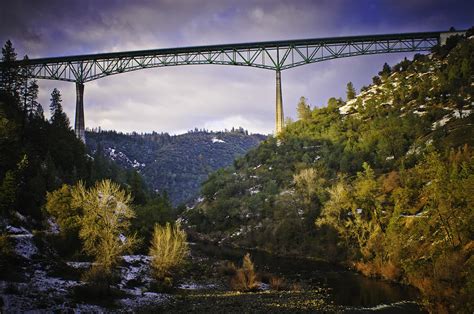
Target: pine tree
386,70
304,111
9,73
350,91
32,107
58,117
24,90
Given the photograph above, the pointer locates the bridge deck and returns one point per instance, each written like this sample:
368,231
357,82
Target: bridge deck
238,46
270,55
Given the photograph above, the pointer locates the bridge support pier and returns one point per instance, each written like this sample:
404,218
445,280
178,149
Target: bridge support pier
279,104
79,125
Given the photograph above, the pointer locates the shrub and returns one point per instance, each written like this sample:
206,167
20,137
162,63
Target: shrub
6,248
104,225
296,287
168,249
390,271
245,279
227,269
277,283
58,205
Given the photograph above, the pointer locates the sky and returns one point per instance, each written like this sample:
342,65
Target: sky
178,99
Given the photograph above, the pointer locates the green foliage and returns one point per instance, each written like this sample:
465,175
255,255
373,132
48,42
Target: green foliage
386,71
350,91
59,205
6,248
9,79
384,177
9,189
53,153
58,118
416,224
168,250
303,109
176,164
157,210
104,224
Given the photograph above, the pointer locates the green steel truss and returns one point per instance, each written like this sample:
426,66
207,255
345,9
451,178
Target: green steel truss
274,55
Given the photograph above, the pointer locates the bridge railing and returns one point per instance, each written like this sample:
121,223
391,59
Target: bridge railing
275,55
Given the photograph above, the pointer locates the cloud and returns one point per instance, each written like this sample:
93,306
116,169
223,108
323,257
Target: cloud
177,99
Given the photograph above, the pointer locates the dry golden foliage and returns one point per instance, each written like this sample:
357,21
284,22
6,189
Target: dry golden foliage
227,268
277,283
104,224
168,249
390,271
245,278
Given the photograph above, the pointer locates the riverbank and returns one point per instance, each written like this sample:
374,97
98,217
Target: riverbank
203,285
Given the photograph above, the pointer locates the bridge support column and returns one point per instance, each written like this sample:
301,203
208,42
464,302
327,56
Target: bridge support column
279,104
79,125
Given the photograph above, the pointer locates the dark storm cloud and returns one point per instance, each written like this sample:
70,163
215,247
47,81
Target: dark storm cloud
180,98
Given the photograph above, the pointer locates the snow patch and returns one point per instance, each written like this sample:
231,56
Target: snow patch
144,299
254,190
79,265
53,226
24,245
455,114
347,107
117,155
17,231
216,140
195,286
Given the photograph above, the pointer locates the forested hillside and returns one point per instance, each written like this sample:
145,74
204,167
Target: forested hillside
383,181
38,156
176,164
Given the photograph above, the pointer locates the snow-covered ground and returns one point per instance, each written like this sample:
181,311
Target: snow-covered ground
41,288
216,140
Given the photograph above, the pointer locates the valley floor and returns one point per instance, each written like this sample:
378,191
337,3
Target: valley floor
35,281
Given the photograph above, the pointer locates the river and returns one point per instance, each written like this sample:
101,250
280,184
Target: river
342,290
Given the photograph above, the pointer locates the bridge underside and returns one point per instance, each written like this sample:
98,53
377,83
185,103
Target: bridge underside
276,56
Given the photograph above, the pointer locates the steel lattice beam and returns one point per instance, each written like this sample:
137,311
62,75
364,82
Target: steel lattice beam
276,55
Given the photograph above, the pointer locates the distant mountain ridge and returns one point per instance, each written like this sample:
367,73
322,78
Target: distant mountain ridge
177,164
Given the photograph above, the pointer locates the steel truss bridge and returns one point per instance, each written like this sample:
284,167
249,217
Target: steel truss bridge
272,55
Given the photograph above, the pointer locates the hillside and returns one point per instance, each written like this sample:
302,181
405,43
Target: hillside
382,182
175,164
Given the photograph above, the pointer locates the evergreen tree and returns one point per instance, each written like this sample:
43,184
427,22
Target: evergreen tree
386,70
376,80
32,107
304,111
332,102
58,117
9,73
350,91
24,92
